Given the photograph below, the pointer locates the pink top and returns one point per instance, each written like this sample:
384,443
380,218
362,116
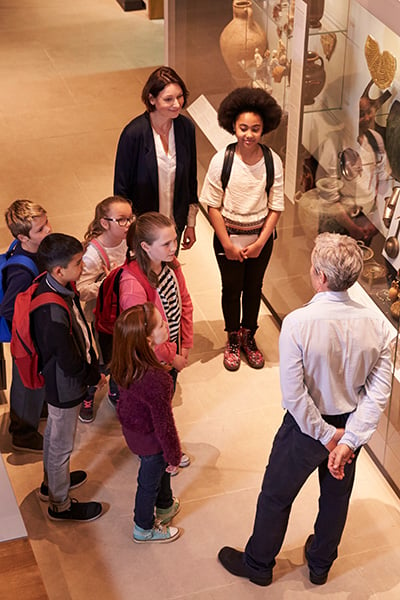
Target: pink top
133,292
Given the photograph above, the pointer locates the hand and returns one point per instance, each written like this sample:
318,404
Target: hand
185,353
188,238
102,382
233,252
253,250
334,440
337,460
172,469
179,362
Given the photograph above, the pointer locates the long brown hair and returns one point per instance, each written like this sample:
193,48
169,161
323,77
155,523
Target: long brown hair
132,354
102,210
146,228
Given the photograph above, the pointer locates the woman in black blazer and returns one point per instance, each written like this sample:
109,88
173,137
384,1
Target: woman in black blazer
156,163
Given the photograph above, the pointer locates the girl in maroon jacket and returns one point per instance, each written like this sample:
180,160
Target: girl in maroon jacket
145,412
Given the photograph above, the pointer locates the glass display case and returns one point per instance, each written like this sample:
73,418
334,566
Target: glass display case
332,67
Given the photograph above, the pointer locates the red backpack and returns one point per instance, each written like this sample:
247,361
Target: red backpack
22,346
107,305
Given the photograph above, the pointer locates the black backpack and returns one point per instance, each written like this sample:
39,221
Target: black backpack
228,161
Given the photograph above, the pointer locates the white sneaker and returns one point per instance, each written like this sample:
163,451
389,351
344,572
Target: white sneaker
185,461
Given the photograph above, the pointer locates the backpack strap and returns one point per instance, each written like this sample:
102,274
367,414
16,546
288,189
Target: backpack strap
228,162
11,248
269,167
50,298
20,259
23,261
101,252
137,272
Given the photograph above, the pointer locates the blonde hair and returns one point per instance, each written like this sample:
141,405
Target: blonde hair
102,210
19,216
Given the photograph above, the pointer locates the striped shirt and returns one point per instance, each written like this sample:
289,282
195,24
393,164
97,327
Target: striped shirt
169,295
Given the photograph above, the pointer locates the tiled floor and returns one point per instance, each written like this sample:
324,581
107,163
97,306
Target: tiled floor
71,75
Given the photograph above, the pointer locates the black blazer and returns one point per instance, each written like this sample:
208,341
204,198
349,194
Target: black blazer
136,172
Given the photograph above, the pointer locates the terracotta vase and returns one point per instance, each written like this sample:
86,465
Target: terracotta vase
239,40
315,12
314,77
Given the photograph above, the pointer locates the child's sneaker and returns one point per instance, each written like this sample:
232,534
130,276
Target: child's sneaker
78,511
185,461
86,414
159,533
76,478
165,515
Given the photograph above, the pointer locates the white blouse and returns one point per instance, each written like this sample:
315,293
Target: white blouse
245,201
166,163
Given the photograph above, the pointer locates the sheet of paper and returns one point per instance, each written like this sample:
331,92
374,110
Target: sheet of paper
205,117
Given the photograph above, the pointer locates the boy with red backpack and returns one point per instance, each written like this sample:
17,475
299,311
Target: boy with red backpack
28,224
69,365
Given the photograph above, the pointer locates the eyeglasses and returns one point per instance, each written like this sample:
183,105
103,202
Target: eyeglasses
122,221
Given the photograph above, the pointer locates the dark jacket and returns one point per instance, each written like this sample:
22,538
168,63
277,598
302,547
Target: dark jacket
145,413
62,352
136,171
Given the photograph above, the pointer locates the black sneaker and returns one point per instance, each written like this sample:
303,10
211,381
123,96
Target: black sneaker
86,414
78,511
33,442
77,478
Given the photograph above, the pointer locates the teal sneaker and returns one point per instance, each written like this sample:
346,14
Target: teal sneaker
159,533
165,515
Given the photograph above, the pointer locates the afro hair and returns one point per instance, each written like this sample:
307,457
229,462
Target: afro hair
254,100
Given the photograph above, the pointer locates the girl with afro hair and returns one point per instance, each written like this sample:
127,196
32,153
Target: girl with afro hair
244,217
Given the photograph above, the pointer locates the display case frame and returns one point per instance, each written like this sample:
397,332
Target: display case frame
305,127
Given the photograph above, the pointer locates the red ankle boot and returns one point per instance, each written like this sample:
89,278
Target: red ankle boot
248,344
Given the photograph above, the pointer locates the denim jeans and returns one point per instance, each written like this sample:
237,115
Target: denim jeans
153,489
58,444
242,286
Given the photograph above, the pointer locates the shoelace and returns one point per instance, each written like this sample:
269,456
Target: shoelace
251,344
157,525
87,403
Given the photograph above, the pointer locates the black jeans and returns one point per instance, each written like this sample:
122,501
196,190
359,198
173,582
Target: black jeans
294,456
242,286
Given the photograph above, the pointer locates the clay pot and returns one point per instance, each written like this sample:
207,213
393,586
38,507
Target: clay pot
239,40
314,76
315,12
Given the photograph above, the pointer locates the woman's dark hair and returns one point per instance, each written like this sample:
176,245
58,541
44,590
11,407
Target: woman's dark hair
146,228
157,81
254,100
57,250
132,354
